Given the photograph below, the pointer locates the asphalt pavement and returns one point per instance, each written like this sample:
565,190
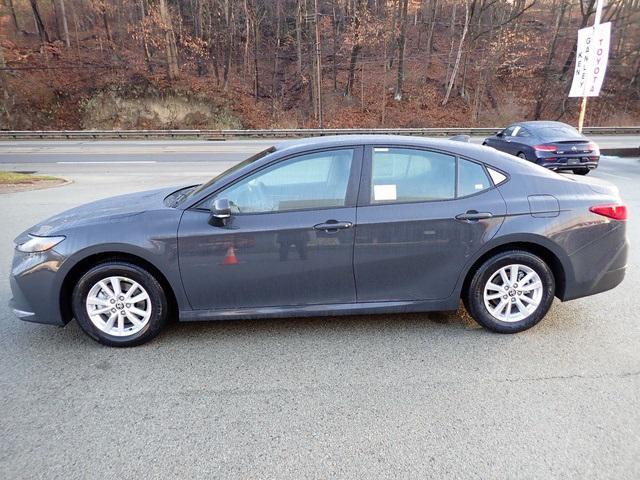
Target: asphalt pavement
385,396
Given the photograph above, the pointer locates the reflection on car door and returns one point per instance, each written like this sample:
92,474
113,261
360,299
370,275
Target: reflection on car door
409,244
289,241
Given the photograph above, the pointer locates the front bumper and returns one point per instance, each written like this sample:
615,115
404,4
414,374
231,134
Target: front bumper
35,287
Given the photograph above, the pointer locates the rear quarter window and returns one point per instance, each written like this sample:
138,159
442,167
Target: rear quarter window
472,178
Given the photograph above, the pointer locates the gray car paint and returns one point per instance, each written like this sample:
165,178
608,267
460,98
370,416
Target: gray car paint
186,251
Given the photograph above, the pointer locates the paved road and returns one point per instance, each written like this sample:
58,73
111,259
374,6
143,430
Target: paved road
389,396
156,151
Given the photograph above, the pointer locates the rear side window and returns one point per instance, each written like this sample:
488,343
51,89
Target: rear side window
408,175
472,178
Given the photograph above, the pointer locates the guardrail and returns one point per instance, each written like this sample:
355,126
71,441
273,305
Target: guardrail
274,133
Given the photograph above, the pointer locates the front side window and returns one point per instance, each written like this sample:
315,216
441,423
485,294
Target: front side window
507,132
409,175
316,180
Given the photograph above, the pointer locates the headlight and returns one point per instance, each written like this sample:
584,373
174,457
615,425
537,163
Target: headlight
39,244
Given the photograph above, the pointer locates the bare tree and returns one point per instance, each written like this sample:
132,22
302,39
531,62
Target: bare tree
65,27
452,78
402,40
170,42
355,46
42,31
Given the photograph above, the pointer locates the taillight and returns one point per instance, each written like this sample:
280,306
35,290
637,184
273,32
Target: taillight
594,147
617,212
545,148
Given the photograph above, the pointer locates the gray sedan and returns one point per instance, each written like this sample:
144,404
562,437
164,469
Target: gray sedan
330,226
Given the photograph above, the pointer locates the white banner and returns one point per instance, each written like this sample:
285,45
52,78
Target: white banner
591,60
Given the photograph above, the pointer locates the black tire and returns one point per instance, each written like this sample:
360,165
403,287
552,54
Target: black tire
158,301
580,171
522,156
473,298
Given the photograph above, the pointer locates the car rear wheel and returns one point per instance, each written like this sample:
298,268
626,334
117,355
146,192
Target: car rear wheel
510,292
580,171
522,156
119,304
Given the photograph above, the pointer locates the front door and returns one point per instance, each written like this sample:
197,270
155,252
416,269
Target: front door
409,243
289,241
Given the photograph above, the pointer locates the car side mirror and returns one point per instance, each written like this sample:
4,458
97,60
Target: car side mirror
220,210
499,134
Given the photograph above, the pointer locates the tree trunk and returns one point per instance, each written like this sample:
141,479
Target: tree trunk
432,23
65,26
402,40
299,36
355,48
229,21
14,19
170,42
452,79
452,45
5,93
145,45
42,31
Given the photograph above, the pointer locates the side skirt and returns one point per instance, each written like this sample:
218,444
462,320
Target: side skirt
320,310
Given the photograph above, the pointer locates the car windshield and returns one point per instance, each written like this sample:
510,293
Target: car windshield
229,171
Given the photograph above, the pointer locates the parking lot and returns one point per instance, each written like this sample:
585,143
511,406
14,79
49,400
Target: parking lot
387,396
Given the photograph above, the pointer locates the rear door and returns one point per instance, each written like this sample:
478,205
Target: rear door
409,244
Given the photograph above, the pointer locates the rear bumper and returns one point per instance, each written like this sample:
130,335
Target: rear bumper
567,161
594,274
567,166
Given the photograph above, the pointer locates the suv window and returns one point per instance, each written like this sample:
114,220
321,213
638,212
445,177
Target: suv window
472,178
409,175
316,180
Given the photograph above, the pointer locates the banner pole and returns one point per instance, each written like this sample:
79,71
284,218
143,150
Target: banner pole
583,109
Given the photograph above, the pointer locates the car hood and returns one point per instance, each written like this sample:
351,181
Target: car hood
106,210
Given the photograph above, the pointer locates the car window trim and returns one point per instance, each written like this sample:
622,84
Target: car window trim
353,184
364,195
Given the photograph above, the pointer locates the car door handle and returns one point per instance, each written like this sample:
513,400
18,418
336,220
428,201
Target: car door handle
473,215
332,226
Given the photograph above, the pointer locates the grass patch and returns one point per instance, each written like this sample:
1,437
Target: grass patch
16,178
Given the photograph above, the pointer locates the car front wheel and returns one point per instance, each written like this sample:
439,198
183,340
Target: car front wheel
119,304
510,292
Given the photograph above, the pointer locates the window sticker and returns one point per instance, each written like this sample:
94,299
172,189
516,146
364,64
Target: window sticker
381,149
384,192
479,186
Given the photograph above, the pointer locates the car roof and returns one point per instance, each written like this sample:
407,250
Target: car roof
455,147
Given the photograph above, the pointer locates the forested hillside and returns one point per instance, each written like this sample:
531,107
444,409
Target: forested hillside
306,63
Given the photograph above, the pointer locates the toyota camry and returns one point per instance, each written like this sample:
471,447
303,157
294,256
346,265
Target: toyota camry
330,226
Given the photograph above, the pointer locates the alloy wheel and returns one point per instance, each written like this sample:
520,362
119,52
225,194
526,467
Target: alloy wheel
513,293
118,306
